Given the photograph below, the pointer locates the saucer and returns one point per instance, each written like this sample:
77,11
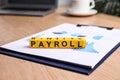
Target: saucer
89,13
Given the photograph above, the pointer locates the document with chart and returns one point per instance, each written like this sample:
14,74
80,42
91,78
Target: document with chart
100,42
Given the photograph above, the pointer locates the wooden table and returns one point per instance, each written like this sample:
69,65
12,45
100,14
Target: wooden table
16,27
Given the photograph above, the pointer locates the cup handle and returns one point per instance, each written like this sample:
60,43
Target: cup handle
92,4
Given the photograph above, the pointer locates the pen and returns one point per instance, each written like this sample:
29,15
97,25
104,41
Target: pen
108,28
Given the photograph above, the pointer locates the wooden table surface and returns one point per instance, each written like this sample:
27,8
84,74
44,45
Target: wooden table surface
16,27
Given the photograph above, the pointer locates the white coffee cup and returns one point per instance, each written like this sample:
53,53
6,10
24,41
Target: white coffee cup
82,6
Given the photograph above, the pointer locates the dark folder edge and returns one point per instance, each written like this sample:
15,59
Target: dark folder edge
56,63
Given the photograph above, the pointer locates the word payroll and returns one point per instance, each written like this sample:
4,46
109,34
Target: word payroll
57,43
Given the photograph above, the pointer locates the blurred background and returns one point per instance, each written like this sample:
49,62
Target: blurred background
111,7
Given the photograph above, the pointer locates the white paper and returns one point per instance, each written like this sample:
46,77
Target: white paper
99,42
